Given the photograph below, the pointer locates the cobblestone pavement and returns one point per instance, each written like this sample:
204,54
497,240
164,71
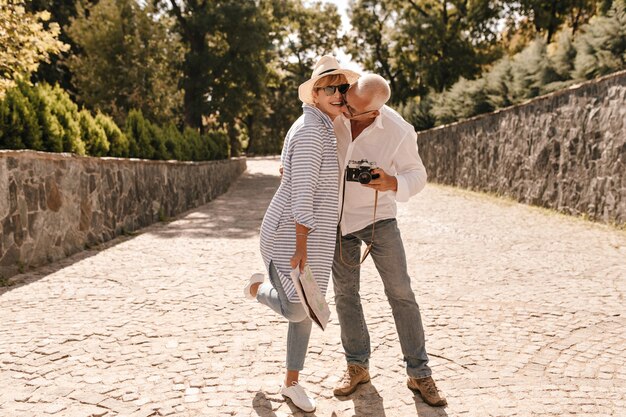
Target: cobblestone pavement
523,311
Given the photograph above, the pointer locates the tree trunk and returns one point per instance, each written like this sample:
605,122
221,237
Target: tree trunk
194,81
553,23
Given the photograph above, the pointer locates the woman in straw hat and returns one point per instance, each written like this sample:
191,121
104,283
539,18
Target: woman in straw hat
300,224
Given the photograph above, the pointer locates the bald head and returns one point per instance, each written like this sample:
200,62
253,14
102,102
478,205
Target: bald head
374,89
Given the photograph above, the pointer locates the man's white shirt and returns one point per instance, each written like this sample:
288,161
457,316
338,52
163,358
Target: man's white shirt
391,143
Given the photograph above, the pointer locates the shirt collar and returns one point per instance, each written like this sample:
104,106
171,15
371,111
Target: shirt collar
308,108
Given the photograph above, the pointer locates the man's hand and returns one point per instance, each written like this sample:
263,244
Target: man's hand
385,182
280,169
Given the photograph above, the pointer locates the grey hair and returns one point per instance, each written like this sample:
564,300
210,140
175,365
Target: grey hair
375,88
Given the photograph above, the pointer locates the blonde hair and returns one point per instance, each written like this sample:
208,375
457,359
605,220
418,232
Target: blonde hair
375,88
334,79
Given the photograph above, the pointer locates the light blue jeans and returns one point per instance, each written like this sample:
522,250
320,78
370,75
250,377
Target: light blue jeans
390,260
273,295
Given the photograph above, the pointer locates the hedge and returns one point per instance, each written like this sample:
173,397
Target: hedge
45,118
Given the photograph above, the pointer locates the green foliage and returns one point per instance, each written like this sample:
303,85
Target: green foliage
193,140
564,55
138,132
94,136
118,142
45,118
56,71
52,131
174,143
19,125
498,84
63,120
602,47
599,49
157,142
548,16
126,57
25,40
424,45
300,33
418,113
465,98
531,70
150,141
219,144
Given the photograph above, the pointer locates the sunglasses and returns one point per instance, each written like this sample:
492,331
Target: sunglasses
330,90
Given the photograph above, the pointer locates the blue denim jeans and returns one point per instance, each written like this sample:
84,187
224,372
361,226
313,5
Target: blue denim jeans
390,261
273,295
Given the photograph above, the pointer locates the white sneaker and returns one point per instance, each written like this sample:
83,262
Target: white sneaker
253,280
299,397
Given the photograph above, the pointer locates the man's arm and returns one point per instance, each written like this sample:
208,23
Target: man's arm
411,173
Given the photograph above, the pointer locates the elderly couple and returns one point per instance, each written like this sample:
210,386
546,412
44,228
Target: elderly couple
344,119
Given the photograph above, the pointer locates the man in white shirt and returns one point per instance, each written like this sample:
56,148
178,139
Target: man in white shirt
370,131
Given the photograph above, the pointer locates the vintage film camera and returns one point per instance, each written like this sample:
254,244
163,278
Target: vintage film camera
361,171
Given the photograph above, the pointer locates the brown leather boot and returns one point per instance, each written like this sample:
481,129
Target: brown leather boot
354,376
428,390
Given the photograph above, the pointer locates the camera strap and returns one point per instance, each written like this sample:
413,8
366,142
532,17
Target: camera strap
368,248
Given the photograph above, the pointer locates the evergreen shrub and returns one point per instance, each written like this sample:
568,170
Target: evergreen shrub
44,117
19,124
93,135
118,142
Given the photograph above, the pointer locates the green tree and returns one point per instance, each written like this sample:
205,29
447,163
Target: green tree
137,131
532,70
19,124
55,71
548,16
564,55
602,48
239,71
420,45
94,136
119,145
174,143
465,99
62,122
126,58
157,142
25,42
301,33
225,66
419,113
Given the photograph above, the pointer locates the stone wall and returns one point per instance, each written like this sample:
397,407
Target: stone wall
565,151
53,205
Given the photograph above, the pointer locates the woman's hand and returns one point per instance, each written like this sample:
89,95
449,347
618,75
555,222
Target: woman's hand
298,260
299,257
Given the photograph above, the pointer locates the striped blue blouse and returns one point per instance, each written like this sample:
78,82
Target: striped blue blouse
308,194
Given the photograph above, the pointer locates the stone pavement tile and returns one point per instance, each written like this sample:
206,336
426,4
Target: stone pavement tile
519,308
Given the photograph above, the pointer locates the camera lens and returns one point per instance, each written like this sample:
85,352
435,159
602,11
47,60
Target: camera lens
365,177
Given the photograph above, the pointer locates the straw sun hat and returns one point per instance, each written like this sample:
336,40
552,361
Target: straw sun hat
327,65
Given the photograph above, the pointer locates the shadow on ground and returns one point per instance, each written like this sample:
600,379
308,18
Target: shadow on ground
235,215
36,273
367,403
